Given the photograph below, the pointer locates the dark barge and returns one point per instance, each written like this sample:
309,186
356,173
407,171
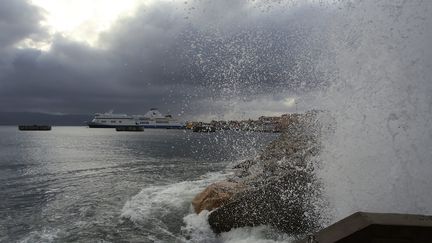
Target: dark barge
129,128
34,127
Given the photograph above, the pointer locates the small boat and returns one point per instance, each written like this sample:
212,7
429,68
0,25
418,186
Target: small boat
34,127
130,129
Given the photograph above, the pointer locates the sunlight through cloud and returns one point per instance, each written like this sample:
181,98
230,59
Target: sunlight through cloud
82,20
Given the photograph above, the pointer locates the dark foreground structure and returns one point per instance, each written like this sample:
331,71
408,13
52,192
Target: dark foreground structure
34,127
376,228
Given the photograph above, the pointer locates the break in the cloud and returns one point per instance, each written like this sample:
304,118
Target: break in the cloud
83,20
191,58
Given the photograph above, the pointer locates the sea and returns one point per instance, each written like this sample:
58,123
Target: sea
77,184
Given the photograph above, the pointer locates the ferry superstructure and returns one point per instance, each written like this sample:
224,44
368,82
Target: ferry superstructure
155,119
152,119
111,120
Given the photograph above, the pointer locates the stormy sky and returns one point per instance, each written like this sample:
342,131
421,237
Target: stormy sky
202,58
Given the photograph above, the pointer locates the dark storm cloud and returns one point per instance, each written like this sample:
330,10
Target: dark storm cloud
19,20
171,55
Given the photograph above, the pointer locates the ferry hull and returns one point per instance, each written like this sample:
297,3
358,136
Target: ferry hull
95,125
164,126
100,126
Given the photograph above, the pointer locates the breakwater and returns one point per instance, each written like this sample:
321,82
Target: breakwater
277,188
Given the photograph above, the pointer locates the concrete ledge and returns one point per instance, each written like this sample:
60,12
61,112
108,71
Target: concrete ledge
376,228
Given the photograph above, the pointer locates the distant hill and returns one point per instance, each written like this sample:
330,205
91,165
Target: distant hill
17,118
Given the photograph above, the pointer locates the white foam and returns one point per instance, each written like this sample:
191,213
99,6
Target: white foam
154,201
259,234
44,235
198,230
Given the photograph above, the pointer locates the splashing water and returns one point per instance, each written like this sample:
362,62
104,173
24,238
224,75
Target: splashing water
156,209
379,60
198,230
369,63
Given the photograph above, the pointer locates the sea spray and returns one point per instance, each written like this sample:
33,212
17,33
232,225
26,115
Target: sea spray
197,230
379,60
369,65
280,186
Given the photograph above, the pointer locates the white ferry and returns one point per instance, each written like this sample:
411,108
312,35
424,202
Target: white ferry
152,119
155,119
111,120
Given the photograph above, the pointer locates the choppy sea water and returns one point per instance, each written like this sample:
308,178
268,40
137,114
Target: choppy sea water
75,184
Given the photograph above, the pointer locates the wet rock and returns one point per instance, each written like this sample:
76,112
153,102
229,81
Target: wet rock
282,189
243,168
283,202
215,195
245,165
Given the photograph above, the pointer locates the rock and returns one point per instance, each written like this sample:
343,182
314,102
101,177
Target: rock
283,202
244,165
283,190
243,168
215,195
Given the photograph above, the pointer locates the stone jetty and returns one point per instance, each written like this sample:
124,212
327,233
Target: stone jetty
278,188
